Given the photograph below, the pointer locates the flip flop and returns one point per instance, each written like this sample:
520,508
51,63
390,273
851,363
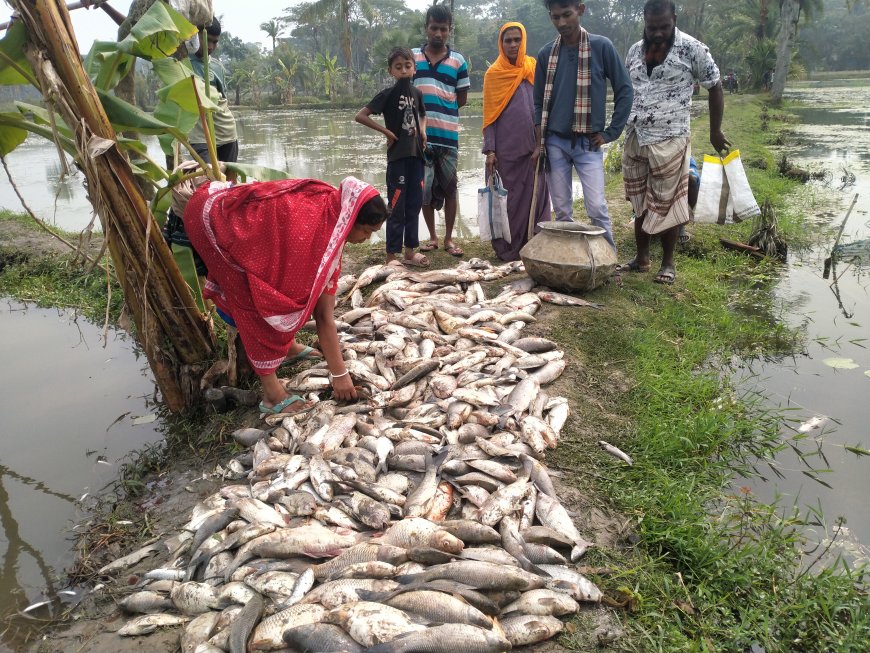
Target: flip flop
428,247
633,266
304,355
453,250
281,405
666,276
417,261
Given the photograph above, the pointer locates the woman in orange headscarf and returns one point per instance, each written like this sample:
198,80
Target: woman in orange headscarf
509,135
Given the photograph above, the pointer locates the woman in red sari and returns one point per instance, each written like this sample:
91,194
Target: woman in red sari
273,251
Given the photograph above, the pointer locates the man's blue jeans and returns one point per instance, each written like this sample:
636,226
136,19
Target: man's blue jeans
589,164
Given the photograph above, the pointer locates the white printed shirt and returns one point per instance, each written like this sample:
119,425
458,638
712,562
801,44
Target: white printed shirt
660,110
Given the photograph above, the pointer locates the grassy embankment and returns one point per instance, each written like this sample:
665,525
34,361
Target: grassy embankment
709,569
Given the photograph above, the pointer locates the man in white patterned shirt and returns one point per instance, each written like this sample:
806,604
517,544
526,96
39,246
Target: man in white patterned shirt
663,67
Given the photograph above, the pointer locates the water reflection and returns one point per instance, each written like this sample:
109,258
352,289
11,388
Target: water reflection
61,393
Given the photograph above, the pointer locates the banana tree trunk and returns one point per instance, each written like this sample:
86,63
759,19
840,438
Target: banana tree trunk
788,27
177,339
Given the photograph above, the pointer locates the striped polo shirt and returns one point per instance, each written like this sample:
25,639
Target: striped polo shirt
439,86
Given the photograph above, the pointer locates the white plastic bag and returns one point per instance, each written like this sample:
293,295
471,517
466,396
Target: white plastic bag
492,216
199,12
713,196
741,198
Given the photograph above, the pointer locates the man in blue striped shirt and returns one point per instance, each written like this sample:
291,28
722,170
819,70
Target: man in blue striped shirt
442,77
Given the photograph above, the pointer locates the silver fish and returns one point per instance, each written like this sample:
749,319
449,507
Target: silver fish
615,452
446,639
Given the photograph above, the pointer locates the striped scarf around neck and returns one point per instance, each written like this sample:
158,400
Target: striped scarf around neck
583,101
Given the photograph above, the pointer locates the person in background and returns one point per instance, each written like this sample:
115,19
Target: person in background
655,161
405,129
273,251
226,137
509,136
442,77
570,103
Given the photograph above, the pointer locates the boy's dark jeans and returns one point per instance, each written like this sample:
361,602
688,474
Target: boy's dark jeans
405,193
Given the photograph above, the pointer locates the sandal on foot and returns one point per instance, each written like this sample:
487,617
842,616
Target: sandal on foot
666,275
307,353
453,250
633,266
416,261
281,405
428,247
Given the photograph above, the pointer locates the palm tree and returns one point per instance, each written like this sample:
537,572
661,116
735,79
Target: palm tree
273,29
343,9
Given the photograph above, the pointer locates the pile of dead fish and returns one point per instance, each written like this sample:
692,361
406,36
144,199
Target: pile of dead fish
419,518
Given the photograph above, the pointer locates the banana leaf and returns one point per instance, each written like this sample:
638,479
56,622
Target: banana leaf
182,93
11,137
126,117
184,260
41,116
158,33
12,60
260,173
172,114
106,65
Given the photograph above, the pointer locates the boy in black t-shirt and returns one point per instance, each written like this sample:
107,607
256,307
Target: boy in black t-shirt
405,129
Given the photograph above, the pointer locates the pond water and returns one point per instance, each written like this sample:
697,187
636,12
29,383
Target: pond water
323,144
72,409
834,316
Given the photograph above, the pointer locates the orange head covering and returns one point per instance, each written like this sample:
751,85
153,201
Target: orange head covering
503,78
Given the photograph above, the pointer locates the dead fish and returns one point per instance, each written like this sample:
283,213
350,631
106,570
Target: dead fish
268,634
414,531
565,300
149,623
417,372
552,514
370,512
437,607
534,345
194,598
549,372
145,602
448,638
243,625
320,637
198,631
130,559
372,623
572,582
616,453
543,602
478,575
335,593
526,629
471,532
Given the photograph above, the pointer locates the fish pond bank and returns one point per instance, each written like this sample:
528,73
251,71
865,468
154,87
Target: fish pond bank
695,563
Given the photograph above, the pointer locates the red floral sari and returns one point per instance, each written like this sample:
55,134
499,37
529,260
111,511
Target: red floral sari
272,248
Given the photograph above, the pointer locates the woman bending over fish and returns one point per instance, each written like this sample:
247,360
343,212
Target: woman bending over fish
273,251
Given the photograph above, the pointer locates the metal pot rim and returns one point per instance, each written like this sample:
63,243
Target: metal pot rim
573,228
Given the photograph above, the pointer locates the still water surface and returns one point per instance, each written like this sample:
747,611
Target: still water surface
834,317
68,408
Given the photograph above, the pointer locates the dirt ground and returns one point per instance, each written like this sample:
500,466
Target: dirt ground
90,626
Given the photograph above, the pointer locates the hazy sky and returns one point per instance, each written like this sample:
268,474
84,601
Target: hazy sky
240,17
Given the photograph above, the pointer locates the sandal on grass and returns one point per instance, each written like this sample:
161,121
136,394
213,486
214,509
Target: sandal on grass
281,405
428,247
453,250
416,261
666,275
633,266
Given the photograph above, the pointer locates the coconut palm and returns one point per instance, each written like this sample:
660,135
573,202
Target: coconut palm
274,29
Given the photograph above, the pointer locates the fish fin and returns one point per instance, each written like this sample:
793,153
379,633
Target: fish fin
406,579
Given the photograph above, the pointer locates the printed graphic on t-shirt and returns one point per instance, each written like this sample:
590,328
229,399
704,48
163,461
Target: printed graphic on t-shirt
406,105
